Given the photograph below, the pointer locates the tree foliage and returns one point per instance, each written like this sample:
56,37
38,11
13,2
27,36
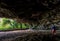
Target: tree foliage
9,24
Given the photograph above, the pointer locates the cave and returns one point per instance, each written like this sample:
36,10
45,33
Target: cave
34,12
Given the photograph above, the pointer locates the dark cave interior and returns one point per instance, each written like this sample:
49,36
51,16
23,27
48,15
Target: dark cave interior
31,9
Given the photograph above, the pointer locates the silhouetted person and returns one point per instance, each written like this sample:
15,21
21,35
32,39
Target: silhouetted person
53,29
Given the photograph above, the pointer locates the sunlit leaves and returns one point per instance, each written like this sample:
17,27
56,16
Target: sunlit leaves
9,24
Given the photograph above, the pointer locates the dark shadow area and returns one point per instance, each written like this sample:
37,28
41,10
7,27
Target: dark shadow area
39,38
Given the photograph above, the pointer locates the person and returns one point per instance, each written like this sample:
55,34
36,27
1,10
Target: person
53,29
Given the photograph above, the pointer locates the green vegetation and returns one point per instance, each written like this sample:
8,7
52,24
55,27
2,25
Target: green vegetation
9,24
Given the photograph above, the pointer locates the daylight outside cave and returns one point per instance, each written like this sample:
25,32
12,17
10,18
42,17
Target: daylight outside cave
29,20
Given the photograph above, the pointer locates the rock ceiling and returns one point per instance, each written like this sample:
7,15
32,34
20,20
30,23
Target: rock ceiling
34,10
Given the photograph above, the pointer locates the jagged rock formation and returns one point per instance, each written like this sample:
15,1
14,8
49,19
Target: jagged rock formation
39,12
33,10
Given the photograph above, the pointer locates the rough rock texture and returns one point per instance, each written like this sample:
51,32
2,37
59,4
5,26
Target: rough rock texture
39,11
35,10
29,35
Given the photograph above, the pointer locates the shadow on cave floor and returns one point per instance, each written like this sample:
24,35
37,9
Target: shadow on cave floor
39,38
